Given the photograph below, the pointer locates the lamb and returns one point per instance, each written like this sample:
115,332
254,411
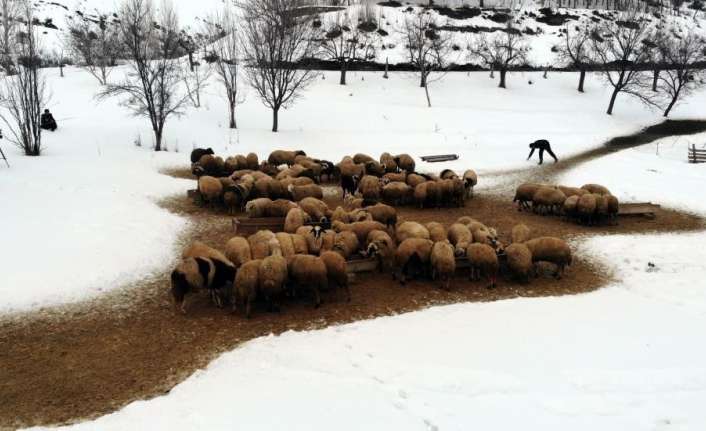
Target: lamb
470,179
336,271
437,231
282,157
524,194
519,260
279,208
381,245
245,285
295,218
483,261
197,153
210,189
547,200
552,250
346,244
412,257
272,275
596,189
460,236
586,208
310,271
370,188
388,162
300,192
260,243
257,207
237,250
520,233
411,229
397,193
443,262
286,245
405,162
317,209
362,158
384,214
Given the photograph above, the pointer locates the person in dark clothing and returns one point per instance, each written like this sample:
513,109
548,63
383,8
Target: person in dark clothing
542,145
47,121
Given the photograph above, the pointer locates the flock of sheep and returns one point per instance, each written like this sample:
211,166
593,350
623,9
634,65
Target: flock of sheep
313,251
590,204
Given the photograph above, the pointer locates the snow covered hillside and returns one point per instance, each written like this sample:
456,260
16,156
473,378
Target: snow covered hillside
86,209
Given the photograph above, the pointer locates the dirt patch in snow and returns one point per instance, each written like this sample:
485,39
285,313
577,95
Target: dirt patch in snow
71,363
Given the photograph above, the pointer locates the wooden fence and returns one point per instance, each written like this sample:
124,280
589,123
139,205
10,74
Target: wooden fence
697,155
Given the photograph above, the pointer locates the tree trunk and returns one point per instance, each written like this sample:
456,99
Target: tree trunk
158,140
191,61
423,80
612,101
671,105
275,119
426,91
502,78
232,116
582,78
655,78
343,73
386,66
61,70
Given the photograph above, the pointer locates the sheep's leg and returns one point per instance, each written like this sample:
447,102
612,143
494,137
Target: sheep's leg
183,306
248,307
317,297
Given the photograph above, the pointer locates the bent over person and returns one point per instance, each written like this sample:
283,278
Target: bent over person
47,121
542,145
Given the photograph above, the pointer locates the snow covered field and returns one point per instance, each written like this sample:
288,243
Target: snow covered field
86,208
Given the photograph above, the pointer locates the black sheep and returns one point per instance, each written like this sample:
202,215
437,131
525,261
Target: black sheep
349,184
198,152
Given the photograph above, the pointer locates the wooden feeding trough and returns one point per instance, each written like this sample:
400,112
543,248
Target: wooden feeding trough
440,158
365,264
638,209
194,195
248,226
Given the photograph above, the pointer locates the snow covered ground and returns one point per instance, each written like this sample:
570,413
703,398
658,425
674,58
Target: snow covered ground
629,356
82,218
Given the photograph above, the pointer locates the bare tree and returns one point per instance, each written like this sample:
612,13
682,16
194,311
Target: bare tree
427,46
11,11
576,51
23,95
276,37
682,54
502,50
225,56
94,42
152,86
350,37
196,74
621,54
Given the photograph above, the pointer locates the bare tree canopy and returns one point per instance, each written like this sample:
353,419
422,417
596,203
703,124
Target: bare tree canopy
275,38
681,52
576,51
349,37
94,43
11,10
620,52
501,50
23,95
153,84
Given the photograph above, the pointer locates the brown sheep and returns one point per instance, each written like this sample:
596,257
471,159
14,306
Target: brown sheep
392,177
466,220
362,158
295,219
437,231
547,200
361,229
245,285
346,243
381,245
260,243
272,275
601,207
519,261
300,192
396,193
251,161
339,214
586,208
279,208
282,157
300,244
413,180
405,162
596,189
572,191
520,233
257,207
307,271
460,236
570,206
210,189
552,250
524,194
370,188
317,209
470,179
613,208
286,245
374,168
237,250
336,271
388,162
359,214
448,174
232,200
483,261
384,214
411,229
412,258
443,263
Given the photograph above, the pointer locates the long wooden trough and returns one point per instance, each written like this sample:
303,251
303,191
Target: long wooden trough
248,226
637,209
440,158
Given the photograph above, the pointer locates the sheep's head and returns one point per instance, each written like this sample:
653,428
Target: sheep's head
372,250
316,232
459,250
